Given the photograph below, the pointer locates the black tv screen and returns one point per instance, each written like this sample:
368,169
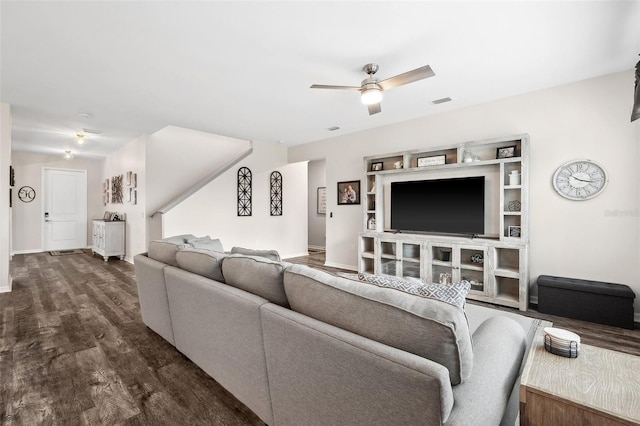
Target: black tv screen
451,206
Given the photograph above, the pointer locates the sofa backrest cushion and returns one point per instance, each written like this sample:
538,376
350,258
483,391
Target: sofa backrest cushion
425,327
202,262
269,254
257,275
165,250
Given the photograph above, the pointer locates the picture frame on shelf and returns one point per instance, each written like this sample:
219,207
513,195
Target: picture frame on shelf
506,152
349,192
515,231
433,160
322,200
107,216
377,166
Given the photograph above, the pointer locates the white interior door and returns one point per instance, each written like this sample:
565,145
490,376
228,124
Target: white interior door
65,209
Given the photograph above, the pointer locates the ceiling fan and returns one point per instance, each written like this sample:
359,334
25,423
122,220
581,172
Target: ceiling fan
371,88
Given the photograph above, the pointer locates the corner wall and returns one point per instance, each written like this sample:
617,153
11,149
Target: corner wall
595,239
130,157
213,210
5,211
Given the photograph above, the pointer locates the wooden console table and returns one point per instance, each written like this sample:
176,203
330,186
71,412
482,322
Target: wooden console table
599,387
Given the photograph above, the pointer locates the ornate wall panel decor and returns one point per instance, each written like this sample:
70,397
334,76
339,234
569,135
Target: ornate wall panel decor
276,194
116,189
244,191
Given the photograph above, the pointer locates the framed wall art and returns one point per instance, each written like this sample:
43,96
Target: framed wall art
322,200
349,192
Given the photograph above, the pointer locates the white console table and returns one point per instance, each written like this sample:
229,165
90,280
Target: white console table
108,238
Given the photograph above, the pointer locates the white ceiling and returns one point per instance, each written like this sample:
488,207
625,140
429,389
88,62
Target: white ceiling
243,69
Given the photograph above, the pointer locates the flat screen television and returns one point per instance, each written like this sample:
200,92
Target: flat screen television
448,206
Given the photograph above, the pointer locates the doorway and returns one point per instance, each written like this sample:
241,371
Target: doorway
317,215
64,209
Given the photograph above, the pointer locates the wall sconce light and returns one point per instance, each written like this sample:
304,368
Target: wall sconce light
68,155
81,138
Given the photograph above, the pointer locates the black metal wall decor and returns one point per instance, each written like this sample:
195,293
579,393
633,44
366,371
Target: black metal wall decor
276,194
244,191
635,112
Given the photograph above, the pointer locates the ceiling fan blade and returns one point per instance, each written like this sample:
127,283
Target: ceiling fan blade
374,108
328,86
407,77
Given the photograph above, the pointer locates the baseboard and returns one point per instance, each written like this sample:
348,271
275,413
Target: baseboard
7,289
533,300
128,260
27,251
341,266
321,248
289,256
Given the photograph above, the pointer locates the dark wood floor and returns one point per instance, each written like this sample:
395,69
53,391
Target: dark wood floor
74,351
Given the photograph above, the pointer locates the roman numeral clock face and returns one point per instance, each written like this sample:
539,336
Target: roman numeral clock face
580,180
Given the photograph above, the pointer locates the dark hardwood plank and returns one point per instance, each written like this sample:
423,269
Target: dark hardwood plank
74,351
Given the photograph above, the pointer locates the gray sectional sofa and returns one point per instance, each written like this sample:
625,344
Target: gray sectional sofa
299,346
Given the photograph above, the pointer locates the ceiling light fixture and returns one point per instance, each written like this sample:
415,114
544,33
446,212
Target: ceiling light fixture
371,94
68,155
81,138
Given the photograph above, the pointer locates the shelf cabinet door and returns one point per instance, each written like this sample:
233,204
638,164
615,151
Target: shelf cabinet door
471,267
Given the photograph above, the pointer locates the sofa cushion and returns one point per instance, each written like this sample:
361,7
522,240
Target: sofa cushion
422,326
257,275
165,250
269,254
206,243
453,294
202,262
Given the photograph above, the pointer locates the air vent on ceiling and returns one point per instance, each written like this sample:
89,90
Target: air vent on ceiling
92,131
333,128
441,101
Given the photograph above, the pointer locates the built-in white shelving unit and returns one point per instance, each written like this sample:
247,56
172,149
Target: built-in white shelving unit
502,277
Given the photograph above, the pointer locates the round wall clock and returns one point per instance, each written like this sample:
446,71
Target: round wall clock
580,179
27,194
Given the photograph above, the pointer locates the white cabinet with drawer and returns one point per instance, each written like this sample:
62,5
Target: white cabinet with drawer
108,238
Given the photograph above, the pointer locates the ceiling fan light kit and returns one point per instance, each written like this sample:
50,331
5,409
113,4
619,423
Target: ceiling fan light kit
371,95
371,88
80,138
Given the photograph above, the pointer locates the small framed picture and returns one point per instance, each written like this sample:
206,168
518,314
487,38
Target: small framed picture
376,167
514,231
349,192
434,160
107,216
322,200
506,152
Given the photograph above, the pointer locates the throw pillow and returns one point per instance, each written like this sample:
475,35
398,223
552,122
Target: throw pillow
269,254
206,243
454,294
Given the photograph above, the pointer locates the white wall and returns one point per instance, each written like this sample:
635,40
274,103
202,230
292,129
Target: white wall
317,222
177,158
27,217
213,210
595,239
5,211
130,157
